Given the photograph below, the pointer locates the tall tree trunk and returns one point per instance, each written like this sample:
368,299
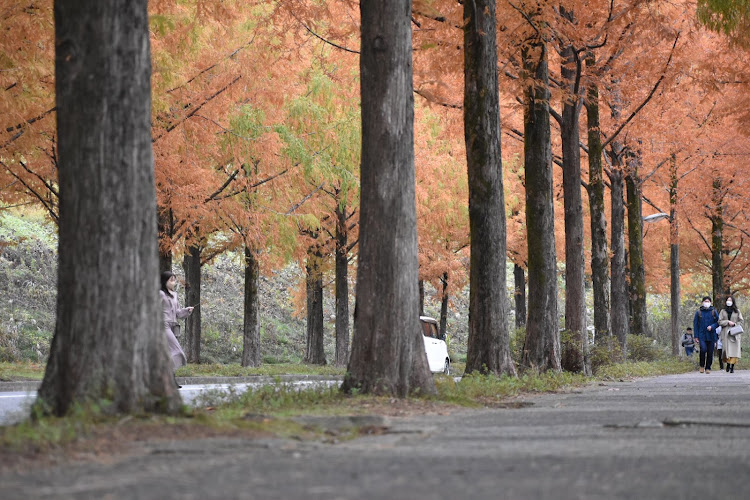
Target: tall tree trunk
674,260
575,268
599,250
489,341
542,347
165,226
619,282
109,342
251,317
342,290
519,294
720,287
388,355
421,297
444,307
635,247
191,264
314,352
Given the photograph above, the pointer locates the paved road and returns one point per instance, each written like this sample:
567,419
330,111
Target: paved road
682,436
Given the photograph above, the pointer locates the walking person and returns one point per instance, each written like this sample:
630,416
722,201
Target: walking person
705,321
688,342
173,312
730,317
719,346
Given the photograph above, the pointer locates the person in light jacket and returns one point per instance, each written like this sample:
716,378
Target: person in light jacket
173,312
705,321
729,317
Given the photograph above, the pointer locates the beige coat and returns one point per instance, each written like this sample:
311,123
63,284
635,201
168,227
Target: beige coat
731,344
172,311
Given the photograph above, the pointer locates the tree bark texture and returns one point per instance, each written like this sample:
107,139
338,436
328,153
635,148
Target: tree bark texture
191,264
421,297
388,355
619,280
635,248
342,290
314,352
542,346
165,226
489,341
720,288
599,250
674,260
519,295
575,267
444,306
251,355
109,344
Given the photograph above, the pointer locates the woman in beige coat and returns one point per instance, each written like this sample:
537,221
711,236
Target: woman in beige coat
172,312
729,317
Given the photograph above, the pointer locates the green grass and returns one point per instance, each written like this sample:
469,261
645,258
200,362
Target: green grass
235,370
10,372
622,371
28,223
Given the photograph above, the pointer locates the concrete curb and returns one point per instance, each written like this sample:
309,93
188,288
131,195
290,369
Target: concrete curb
33,385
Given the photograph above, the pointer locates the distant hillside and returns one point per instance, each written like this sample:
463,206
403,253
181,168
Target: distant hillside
28,281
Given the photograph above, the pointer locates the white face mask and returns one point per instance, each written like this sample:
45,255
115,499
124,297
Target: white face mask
729,303
706,304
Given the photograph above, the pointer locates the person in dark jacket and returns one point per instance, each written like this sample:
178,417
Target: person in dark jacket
705,321
688,342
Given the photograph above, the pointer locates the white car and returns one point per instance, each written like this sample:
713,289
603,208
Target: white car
435,346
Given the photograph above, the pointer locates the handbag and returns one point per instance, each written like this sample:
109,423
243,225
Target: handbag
735,330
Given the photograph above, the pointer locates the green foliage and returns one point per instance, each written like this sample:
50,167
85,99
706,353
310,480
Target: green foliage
570,351
22,224
643,348
630,369
28,287
605,353
160,24
517,340
475,389
279,399
731,17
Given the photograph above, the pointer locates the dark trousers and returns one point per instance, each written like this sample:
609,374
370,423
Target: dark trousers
707,353
721,360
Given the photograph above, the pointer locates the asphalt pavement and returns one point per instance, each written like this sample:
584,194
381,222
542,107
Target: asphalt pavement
681,436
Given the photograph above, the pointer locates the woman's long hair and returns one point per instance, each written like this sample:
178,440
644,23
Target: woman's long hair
732,308
164,278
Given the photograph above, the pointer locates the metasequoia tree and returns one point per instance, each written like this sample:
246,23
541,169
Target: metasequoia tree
542,347
28,142
388,355
442,216
637,282
322,134
599,248
568,120
103,67
215,142
488,344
